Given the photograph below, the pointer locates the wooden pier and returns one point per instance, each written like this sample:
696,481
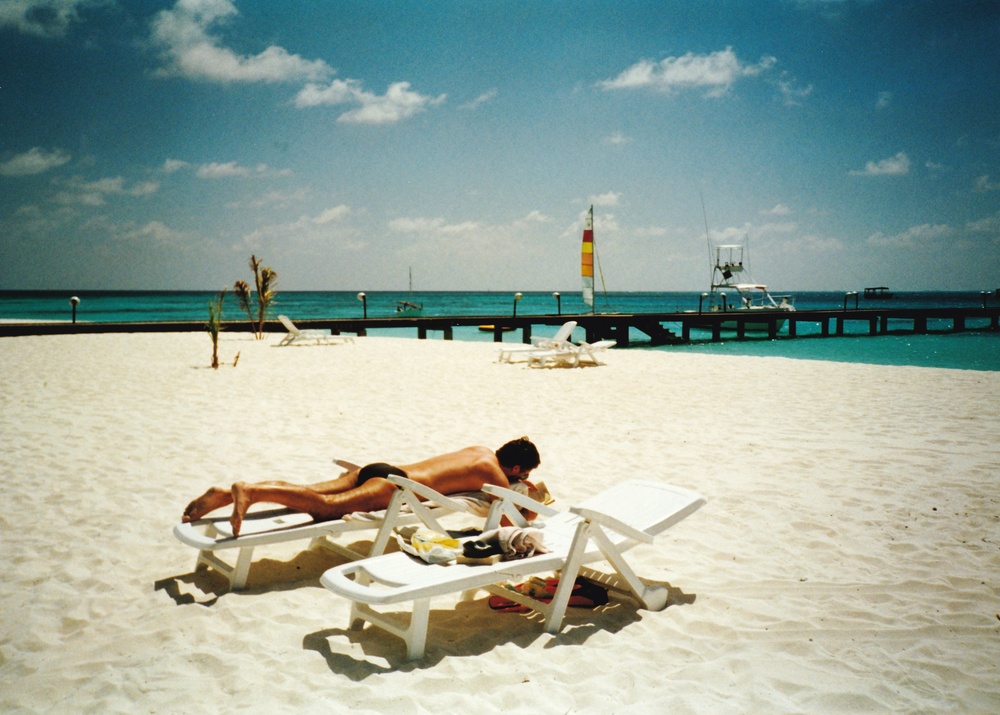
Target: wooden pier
661,328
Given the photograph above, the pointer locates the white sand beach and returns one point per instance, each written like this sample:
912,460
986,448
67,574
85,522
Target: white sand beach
848,559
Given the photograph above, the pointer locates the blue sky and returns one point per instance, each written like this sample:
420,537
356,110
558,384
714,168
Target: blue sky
156,145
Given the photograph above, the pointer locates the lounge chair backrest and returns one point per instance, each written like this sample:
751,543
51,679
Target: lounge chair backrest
289,325
562,335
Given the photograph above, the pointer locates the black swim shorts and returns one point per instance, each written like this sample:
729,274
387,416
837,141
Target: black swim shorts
378,469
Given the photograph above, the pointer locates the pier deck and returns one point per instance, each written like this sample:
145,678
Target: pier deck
661,328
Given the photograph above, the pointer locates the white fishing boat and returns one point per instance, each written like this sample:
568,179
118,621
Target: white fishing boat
734,291
408,308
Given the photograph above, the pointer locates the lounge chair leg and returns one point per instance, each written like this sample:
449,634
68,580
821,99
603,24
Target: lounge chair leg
357,617
652,597
238,579
416,637
567,578
655,597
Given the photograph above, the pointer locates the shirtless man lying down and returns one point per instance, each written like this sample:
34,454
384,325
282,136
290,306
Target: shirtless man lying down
367,489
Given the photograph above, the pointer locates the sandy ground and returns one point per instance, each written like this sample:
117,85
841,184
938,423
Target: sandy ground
847,560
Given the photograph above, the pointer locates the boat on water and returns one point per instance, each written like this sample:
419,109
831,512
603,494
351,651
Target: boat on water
408,308
878,293
734,291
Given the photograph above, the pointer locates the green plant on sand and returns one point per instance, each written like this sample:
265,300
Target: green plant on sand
265,279
214,325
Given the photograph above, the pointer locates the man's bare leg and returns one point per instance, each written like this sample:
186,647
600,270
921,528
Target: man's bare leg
372,495
216,498
213,499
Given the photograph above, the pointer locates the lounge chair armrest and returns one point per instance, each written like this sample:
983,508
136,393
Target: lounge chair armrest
612,523
427,493
520,500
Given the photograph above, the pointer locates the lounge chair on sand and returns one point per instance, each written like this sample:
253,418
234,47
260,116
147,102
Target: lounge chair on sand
600,529
539,343
296,336
570,355
213,535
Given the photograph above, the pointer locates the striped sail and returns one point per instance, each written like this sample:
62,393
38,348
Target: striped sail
587,259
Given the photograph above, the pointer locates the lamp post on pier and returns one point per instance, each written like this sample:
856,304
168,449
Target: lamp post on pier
74,301
364,303
517,297
558,302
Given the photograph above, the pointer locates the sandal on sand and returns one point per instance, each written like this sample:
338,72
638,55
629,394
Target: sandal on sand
586,594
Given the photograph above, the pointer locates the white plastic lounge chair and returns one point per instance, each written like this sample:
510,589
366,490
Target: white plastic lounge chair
571,355
297,336
561,338
214,534
600,529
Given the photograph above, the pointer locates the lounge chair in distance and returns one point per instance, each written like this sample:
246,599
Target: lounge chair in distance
600,529
213,535
571,355
297,336
561,338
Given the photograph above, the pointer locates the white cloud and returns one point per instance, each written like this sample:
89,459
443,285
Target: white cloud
191,51
884,100
153,231
532,217
414,225
42,18
618,139
233,169
611,198
34,161
983,184
94,193
717,72
791,91
331,215
398,103
914,237
339,91
898,165
172,165
436,226
778,210
481,99
308,231
988,225
273,198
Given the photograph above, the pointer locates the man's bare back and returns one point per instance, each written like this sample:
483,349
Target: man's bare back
466,470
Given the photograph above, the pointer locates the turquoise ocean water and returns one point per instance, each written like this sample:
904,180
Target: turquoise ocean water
977,349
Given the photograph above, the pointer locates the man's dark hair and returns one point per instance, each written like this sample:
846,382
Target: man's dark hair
519,453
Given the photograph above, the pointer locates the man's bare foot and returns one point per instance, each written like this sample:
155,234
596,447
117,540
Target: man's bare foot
241,502
209,501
